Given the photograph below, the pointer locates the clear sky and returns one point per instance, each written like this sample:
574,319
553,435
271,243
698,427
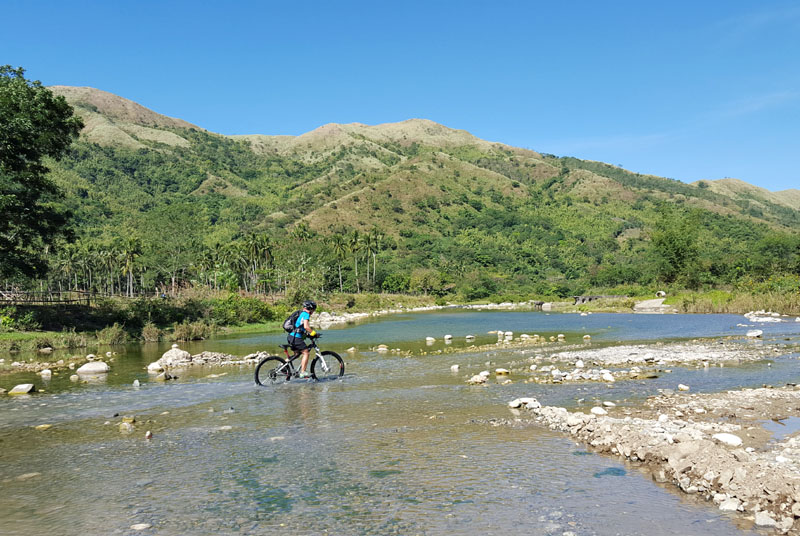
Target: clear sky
684,89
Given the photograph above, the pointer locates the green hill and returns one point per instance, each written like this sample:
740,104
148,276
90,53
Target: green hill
442,210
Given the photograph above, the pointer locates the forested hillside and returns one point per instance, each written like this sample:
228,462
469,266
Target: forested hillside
407,207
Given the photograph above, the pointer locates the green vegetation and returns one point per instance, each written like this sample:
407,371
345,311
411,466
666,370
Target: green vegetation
239,230
34,124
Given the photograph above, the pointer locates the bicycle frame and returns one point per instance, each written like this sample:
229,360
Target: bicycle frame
317,354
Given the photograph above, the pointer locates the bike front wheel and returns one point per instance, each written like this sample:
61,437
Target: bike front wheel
272,370
327,366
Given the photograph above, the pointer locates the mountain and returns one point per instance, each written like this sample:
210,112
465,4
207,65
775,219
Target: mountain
740,190
441,196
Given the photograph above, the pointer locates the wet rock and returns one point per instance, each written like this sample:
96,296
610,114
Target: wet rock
141,526
155,367
597,410
46,374
174,357
607,377
528,402
74,378
765,519
43,427
454,368
730,505
23,389
93,367
502,372
682,387
125,427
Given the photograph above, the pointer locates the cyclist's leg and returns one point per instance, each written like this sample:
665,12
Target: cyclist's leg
304,361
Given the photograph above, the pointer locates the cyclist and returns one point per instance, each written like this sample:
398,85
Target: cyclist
297,337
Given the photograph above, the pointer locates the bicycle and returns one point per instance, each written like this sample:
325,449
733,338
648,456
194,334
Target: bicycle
326,365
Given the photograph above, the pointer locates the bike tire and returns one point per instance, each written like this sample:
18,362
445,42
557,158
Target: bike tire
330,369
269,371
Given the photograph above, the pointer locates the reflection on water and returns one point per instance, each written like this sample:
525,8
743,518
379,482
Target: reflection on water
397,446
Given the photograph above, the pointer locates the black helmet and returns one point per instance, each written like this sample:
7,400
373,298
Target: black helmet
310,305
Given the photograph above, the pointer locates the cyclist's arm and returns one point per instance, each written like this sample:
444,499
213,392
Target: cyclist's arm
307,326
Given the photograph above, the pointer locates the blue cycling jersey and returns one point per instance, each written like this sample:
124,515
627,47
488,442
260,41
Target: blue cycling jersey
299,331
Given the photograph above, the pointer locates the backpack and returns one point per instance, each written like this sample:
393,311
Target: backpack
289,323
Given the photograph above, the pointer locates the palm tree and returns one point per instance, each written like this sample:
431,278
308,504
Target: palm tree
373,244
354,244
131,250
339,247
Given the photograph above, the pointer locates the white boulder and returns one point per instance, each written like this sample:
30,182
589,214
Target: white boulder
174,357
728,439
22,389
93,367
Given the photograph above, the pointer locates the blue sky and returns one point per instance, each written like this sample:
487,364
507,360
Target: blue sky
687,90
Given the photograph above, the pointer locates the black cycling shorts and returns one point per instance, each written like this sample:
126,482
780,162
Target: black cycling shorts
297,343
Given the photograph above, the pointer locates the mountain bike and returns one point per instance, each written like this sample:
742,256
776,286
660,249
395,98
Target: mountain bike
326,365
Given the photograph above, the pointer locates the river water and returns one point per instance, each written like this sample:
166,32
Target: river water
399,445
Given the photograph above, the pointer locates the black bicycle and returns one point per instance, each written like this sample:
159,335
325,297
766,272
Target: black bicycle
326,365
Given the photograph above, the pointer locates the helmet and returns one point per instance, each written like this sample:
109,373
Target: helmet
308,304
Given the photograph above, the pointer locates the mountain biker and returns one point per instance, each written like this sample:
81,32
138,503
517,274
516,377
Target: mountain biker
297,337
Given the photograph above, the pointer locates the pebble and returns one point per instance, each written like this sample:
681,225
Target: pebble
454,368
141,526
682,387
597,410
43,426
22,389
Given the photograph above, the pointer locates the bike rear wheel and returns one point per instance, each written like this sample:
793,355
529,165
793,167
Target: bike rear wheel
328,366
272,370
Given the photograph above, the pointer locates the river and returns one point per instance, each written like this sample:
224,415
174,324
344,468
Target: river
400,445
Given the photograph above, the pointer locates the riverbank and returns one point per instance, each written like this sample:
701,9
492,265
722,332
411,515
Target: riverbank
738,449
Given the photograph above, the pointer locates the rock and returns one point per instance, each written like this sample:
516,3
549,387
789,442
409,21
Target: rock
682,387
43,427
528,402
351,350
470,337
454,368
46,350
448,337
125,427
109,354
93,367
155,367
22,389
429,339
607,377
730,505
765,519
136,383
663,418
175,357
597,410
579,363
91,357
141,526
46,373
608,404
782,459
502,372
148,435
755,333
477,379
587,337
728,439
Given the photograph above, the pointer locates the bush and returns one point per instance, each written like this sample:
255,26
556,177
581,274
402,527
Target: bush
235,309
192,331
151,333
114,334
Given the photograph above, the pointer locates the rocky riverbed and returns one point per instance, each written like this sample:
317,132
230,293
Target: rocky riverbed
739,449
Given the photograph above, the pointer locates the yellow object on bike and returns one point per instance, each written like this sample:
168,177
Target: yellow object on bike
313,333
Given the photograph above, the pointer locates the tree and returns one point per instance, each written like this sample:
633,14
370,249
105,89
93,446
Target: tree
34,124
674,242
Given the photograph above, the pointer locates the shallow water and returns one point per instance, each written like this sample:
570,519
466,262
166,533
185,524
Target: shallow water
400,445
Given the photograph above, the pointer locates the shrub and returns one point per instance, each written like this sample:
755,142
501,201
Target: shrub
151,333
192,331
114,334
